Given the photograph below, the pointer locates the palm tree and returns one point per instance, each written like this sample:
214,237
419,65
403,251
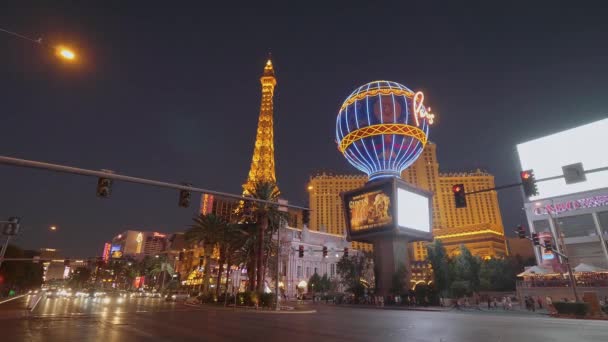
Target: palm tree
208,230
267,215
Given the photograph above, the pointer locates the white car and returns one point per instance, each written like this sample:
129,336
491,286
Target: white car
177,296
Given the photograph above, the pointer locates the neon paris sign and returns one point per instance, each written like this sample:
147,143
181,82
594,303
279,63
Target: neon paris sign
420,111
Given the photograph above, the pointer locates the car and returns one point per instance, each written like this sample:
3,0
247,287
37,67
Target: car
177,296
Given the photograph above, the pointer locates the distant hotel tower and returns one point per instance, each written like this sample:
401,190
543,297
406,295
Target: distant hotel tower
478,226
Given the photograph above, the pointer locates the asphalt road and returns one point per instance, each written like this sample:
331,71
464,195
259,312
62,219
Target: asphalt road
154,320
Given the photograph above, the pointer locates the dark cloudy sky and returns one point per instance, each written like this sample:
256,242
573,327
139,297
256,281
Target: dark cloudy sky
171,92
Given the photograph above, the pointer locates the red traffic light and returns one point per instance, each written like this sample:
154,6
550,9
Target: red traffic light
456,188
525,175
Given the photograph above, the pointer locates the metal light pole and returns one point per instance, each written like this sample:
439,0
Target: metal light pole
560,239
276,284
8,238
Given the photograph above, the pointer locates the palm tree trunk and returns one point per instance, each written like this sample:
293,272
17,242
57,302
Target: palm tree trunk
251,272
218,282
263,224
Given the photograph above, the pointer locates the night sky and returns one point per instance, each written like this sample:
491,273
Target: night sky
172,93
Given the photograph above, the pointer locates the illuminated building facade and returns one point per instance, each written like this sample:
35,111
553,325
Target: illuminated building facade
479,226
295,271
571,215
262,163
138,244
221,207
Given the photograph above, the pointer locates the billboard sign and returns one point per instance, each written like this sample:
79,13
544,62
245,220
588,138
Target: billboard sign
116,252
371,209
388,207
548,155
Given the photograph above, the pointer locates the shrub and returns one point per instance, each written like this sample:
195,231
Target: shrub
207,298
267,300
572,308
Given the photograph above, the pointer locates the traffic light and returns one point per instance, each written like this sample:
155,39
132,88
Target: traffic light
12,227
346,252
548,246
104,187
324,251
535,239
200,261
184,198
305,217
459,196
529,183
521,233
301,251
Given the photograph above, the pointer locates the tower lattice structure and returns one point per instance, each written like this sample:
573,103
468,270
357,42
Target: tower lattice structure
262,163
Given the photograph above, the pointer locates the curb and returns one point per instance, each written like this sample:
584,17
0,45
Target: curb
252,310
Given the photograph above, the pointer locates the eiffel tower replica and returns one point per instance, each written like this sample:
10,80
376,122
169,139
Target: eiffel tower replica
262,163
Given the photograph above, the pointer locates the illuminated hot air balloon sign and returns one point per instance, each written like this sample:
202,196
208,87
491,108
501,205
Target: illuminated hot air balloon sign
382,128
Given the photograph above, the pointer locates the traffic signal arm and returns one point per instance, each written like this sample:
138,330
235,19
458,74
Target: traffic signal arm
545,245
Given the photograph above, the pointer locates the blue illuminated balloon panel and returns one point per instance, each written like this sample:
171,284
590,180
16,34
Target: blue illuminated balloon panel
382,127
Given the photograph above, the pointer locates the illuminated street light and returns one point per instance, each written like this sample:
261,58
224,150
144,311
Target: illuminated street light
66,53
53,228
61,51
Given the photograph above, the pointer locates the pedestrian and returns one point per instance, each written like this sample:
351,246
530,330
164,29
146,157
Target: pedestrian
509,303
441,301
504,303
540,302
495,303
489,303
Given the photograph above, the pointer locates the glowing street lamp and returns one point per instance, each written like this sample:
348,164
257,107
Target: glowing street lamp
53,228
61,51
66,53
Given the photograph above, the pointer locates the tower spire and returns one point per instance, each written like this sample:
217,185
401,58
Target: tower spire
262,163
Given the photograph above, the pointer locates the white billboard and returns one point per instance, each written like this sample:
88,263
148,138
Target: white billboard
586,144
413,211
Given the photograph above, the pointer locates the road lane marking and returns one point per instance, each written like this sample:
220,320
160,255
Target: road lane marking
13,298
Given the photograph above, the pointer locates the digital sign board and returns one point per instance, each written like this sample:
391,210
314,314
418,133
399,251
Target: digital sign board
413,211
371,210
116,251
547,155
388,207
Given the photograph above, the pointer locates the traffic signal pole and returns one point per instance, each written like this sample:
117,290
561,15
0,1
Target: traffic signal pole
520,184
4,247
564,257
104,174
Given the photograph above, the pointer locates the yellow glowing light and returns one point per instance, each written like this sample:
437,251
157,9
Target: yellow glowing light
66,53
368,131
53,228
485,231
310,187
374,92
